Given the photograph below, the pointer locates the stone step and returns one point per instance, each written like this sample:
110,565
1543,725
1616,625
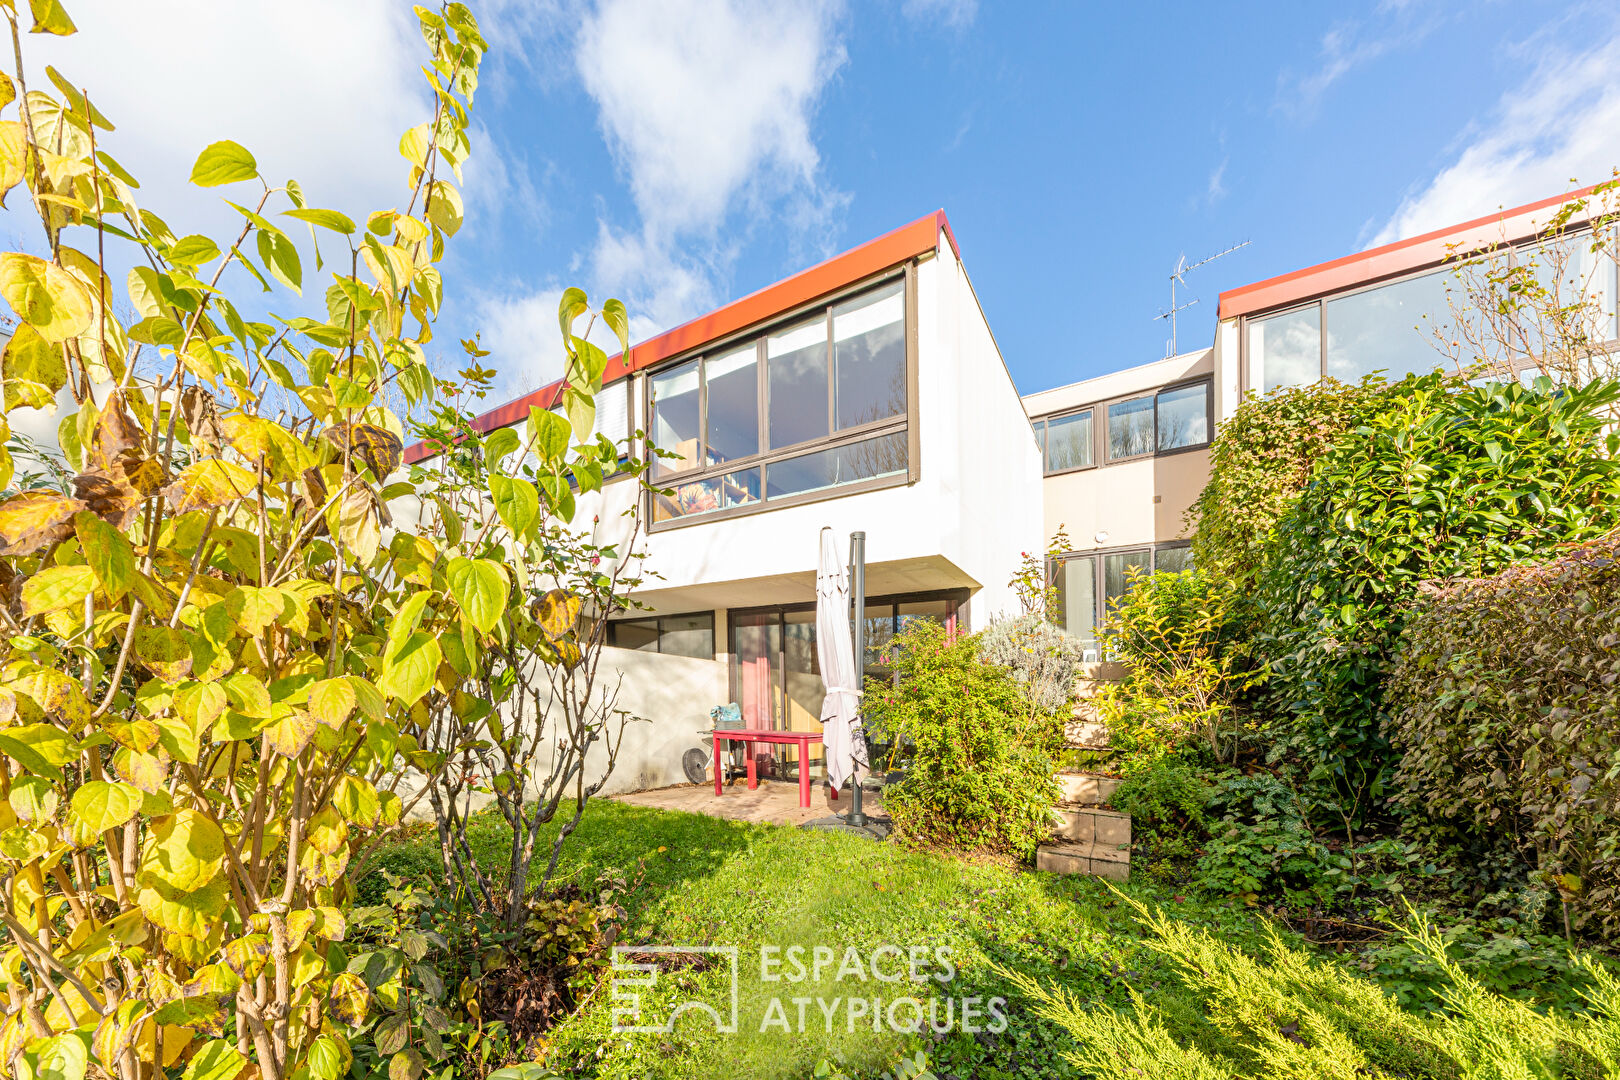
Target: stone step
1086,789
1089,825
1098,860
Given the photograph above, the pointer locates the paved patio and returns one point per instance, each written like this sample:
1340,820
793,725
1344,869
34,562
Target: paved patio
774,802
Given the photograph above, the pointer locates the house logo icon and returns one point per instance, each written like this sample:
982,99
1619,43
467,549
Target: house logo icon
636,968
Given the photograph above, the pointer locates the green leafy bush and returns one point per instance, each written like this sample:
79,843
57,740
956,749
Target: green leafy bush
1259,462
978,759
1505,710
1174,634
1167,799
1443,480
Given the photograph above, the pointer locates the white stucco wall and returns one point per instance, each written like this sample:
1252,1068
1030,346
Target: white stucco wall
974,509
674,694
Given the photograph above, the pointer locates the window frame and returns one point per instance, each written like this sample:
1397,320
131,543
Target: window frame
1100,574
659,619
1246,389
1046,434
904,423
1099,431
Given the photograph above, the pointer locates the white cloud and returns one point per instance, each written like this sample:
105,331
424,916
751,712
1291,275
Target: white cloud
1215,190
954,14
1352,43
1555,131
707,107
317,91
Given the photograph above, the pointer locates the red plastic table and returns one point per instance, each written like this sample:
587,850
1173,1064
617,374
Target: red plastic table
748,737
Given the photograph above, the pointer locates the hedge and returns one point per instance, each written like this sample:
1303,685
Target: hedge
1505,708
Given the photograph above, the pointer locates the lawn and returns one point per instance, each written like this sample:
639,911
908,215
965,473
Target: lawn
702,881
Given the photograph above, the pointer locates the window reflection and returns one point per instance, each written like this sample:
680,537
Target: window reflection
676,418
796,362
1390,328
733,395
1068,442
1130,428
1076,584
1183,417
1117,579
1285,350
864,460
869,357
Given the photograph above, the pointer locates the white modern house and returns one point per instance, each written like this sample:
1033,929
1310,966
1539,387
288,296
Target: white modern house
867,393
837,397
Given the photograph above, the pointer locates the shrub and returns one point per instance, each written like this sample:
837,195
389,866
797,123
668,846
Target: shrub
1173,631
1043,659
1259,462
1293,1014
979,759
1505,710
1167,800
1444,480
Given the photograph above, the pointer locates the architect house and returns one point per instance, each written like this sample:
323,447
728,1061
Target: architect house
868,393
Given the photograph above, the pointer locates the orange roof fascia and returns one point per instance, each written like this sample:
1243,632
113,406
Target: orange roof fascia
889,250
1400,257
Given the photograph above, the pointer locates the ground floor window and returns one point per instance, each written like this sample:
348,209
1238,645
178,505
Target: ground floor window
676,635
1088,586
775,673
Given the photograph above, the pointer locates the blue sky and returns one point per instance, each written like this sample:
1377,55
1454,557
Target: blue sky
680,153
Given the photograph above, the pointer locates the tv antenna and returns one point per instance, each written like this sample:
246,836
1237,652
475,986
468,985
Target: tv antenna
1178,277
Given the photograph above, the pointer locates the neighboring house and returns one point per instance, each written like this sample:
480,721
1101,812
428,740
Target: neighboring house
868,393
1124,457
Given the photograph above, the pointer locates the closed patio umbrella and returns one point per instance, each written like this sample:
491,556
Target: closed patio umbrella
840,710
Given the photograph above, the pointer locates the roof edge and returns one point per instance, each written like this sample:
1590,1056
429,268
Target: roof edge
1389,259
891,249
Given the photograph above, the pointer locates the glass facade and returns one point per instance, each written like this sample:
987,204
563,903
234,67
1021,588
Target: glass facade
815,405
1182,416
1397,327
1285,350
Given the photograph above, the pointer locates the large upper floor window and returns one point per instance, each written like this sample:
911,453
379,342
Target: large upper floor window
1175,418
815,404
1396,327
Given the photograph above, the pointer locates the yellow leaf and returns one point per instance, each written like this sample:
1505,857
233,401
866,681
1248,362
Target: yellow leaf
34,370
45,296
290,732
203,485
558,614
184,851
35,519
331,701
13,153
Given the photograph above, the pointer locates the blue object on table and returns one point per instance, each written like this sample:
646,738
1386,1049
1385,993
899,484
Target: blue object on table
727,716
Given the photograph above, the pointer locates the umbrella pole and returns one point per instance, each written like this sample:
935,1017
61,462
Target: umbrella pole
857,578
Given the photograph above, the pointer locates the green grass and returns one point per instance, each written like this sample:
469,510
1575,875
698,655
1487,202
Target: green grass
703,881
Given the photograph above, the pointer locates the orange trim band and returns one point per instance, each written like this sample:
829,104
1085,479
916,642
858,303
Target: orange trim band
1390,260
874,256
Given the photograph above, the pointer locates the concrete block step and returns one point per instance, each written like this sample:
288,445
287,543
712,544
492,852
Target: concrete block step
1097,860
1089,825
1086,789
